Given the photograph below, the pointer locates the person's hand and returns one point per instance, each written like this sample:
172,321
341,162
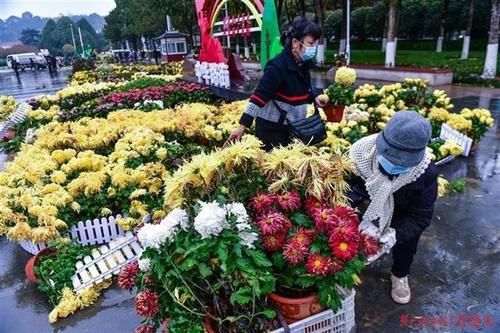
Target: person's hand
235,135
321,100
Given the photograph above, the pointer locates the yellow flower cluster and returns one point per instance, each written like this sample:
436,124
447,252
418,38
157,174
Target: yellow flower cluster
450,147
81,77
442,186
459,122
482,116
441,100
7,106
364,91
345,76
437,114
70,301
40,114
423,84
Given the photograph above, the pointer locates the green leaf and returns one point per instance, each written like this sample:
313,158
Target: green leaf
260,258
204,270
302,219
241,296
269,313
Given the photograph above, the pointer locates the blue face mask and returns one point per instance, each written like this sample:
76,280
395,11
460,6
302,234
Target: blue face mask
309,53
391,168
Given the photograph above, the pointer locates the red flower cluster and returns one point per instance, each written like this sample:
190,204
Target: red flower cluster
319,265
126,277
288,201
145,329
147,303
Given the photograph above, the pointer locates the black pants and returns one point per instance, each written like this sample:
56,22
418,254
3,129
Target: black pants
271,134
402,255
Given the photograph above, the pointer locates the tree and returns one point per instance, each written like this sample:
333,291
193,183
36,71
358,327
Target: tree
30,37
46,38
390,52
468,30
490,63
444,13
319,10
68,49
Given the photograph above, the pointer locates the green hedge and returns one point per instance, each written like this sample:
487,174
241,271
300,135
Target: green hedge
3,62
419,45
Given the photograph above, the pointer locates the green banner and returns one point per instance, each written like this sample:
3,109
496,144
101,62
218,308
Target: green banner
270,34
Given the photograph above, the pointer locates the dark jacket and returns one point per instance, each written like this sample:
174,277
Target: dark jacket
413,203
285,81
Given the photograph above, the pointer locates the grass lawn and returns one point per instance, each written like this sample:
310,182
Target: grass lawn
464,71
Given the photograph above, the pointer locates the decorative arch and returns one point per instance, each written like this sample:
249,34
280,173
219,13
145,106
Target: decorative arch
255,8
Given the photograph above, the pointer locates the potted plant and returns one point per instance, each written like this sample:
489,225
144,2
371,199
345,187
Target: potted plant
202,269
339,94
315,248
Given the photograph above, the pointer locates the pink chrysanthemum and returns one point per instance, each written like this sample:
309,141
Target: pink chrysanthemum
288,201
345,230
126,277
318,265
261,203
304,236
369,245
312,204
273,242
325,219
343,248
147,303
347,214
273,223
145,329
336,266
294,252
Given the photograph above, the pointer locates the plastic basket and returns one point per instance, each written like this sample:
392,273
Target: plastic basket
327,322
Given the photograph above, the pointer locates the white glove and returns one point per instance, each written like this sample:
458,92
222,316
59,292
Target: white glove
388,239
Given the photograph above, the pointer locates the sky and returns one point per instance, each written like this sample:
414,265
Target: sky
52,8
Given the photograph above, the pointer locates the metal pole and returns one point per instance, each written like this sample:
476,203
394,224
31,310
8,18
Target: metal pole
348,33
81,40
73,35
228,38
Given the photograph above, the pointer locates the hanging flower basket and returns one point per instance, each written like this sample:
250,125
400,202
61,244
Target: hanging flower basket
334,113
295,309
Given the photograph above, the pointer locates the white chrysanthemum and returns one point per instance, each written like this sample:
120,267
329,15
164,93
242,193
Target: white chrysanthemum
248,238
144,264
238,209
177,217
154,235
211,219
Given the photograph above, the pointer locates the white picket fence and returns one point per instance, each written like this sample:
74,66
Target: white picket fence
106,261
90,232
16,117
448,133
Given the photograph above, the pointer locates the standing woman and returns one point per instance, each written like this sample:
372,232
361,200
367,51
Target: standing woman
286,84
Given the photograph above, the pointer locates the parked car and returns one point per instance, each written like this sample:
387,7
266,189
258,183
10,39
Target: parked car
23,59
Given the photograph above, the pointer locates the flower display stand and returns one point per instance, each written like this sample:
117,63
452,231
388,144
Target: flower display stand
15,118
106,261
448,133
90,232
327,321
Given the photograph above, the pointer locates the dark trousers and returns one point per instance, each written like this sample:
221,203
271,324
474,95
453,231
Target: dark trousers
402,255
271,134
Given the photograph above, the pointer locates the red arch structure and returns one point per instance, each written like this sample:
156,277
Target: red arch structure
207,10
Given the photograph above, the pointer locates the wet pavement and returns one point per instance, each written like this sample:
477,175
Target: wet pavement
455,274
31,83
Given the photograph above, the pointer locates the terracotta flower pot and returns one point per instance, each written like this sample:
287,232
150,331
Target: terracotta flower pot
29,269
295,309
9,135
334,113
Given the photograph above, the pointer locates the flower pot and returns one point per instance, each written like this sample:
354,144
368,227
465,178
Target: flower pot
29,269
334,113
9,135
295,309
473,148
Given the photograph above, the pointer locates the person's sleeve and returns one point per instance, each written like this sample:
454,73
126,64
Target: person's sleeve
419,216
357,193
266,89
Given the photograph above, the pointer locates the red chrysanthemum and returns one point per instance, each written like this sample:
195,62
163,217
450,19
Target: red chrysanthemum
336,266
145,329
369,245
347,214
318,265
346,230
126,277
146,303
288,201
325,219
261,203
294,252
304,236
343,248
274,242
273,223
312,204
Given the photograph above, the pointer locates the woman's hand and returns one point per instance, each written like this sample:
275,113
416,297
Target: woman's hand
321,100
235,135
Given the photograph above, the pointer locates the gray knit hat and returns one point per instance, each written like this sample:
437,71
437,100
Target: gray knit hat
404,139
